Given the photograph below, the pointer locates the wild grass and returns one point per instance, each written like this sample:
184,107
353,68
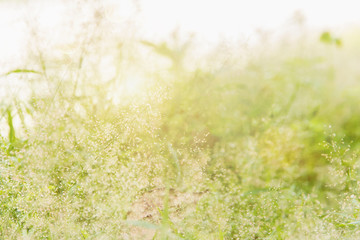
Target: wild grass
261,148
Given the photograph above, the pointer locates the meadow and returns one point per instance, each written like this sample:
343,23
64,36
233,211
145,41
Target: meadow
123,138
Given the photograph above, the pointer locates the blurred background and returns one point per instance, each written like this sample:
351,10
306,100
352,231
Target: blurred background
129,39
155,20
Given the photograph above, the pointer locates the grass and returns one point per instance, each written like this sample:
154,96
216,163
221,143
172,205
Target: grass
261,148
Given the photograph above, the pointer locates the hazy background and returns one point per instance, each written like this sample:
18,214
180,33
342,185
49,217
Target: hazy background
210,21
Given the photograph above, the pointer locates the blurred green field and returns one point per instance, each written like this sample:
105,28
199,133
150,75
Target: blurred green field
254,142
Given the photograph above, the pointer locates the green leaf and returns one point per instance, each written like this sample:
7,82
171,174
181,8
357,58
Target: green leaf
326,38
21,71
85,235
11,127
338,42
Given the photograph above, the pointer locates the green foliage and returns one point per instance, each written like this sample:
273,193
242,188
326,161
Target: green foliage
11,126
268,151
327,38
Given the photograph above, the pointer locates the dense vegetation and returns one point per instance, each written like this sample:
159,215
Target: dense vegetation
263,145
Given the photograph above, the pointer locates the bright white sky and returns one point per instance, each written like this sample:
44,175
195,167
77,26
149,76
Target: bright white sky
209,19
